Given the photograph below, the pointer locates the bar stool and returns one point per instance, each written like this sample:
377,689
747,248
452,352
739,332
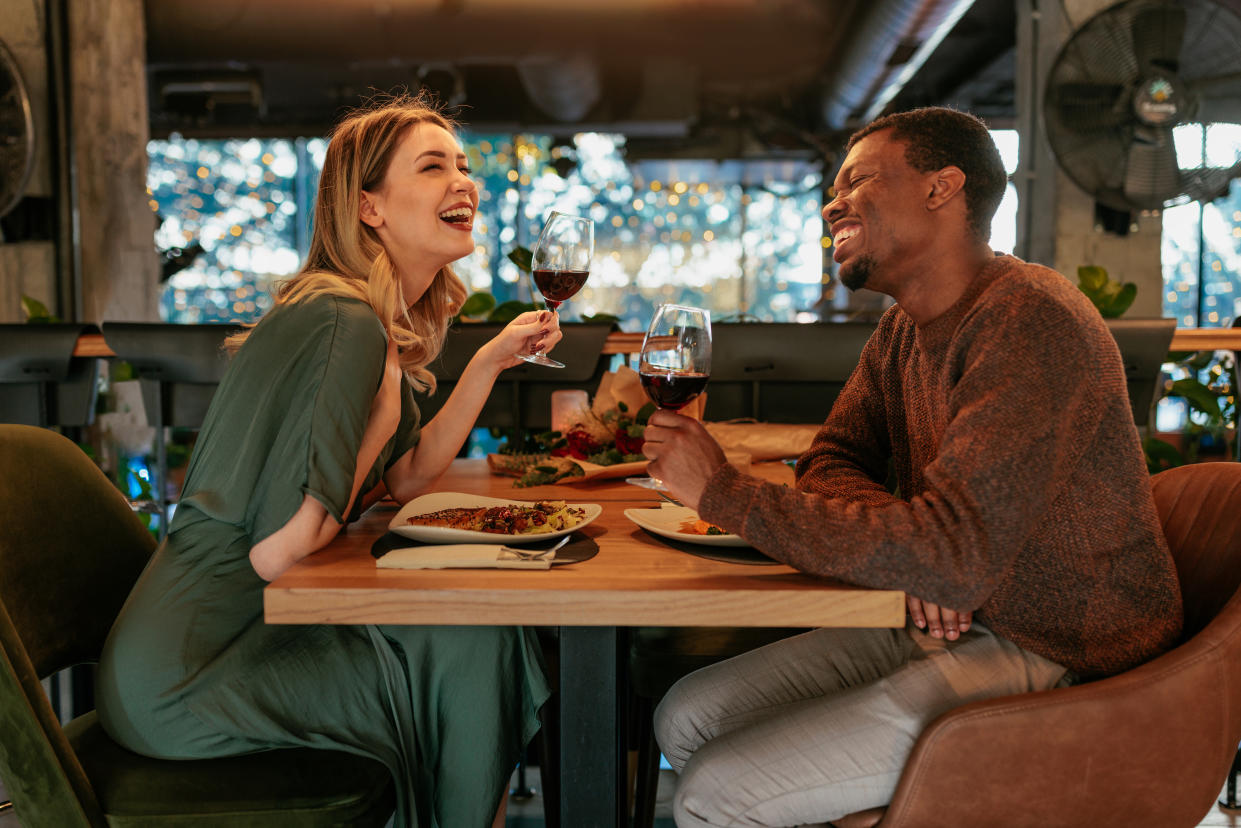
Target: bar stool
43,383
179,367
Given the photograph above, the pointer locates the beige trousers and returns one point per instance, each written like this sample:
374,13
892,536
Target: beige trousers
806,730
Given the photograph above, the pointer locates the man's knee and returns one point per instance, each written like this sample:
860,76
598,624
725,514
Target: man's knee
675,726
701,800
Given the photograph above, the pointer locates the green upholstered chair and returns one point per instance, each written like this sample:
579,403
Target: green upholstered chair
70,551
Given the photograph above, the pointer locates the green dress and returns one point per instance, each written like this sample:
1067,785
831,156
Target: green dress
190,670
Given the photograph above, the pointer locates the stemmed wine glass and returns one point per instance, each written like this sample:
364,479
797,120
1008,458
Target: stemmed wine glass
675,363
560,265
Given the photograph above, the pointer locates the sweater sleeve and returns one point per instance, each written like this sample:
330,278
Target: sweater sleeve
1015,430
848,458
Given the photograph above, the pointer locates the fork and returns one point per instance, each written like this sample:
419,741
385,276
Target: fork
669,498
535,554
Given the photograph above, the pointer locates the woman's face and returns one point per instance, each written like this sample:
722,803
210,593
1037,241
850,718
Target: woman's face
423,211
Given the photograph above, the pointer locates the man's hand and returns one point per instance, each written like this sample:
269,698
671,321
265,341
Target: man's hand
684,455
938,621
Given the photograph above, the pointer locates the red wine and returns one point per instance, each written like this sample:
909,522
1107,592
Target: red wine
558,285
673,391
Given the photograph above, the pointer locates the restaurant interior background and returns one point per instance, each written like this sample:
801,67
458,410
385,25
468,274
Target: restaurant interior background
162,161
700,135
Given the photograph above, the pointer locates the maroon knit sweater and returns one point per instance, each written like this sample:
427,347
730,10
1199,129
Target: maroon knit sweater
1023,494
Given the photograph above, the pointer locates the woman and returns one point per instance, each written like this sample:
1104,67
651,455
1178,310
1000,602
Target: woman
312,411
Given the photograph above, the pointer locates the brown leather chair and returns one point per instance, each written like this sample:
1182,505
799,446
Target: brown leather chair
1149,748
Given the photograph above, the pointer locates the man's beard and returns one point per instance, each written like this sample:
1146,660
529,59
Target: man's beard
854,275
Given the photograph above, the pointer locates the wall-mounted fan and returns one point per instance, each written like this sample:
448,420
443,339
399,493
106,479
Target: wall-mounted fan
1136,100
16,133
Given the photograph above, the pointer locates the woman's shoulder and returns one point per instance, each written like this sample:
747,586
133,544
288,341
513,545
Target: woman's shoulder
323,313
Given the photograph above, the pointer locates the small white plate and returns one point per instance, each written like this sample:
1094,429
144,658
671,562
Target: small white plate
667,519
435,501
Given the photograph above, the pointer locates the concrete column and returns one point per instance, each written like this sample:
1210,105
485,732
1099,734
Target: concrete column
1055,220
29,267
108,101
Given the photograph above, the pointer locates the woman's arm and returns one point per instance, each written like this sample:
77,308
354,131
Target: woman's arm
444,435
311,526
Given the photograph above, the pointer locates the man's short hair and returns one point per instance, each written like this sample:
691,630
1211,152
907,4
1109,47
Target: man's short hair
936,137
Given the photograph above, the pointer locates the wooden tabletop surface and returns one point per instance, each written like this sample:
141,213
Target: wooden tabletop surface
1184,339
635,579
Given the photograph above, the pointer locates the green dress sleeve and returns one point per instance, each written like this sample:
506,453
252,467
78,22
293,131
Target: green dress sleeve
288,418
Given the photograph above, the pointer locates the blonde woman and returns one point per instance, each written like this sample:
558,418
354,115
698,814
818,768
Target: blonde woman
314,410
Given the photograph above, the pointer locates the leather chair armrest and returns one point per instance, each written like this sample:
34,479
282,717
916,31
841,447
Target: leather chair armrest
1071,756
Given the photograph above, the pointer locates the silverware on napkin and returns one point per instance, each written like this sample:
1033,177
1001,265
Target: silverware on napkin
514,554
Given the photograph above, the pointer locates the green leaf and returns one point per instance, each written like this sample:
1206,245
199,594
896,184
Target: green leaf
36,312
506,312
601,317
478,304
123,371
1091,277
522,257
1160,455
644,413
1199,397
1199,360
607,457
1118,303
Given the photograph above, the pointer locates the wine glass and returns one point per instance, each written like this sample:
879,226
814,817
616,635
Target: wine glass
560,265
675,363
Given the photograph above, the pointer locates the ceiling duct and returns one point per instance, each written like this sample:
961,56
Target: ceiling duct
564,88
886,48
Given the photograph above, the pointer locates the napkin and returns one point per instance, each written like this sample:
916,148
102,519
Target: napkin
464,556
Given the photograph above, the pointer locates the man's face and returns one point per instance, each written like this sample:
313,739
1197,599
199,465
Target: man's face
878,216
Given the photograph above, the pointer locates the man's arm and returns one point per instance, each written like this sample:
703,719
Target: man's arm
1004,455
849,456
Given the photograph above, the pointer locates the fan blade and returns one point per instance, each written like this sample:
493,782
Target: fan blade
1084,107
1223,109
1152,175
1158,32
1218,98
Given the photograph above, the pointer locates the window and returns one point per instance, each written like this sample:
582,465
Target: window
741,238
1201,248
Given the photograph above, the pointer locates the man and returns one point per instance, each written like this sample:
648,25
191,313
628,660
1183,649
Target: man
996,394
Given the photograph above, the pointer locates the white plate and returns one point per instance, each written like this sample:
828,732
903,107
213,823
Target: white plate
667,520
435,501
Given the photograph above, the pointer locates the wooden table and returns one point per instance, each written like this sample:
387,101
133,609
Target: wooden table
635,580
618,342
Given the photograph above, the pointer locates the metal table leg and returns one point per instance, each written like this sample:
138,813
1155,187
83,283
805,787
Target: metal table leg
592,767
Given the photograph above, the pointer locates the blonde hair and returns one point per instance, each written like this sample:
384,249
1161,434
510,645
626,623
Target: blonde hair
346,257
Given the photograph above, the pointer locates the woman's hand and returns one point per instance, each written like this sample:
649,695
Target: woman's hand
530,332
